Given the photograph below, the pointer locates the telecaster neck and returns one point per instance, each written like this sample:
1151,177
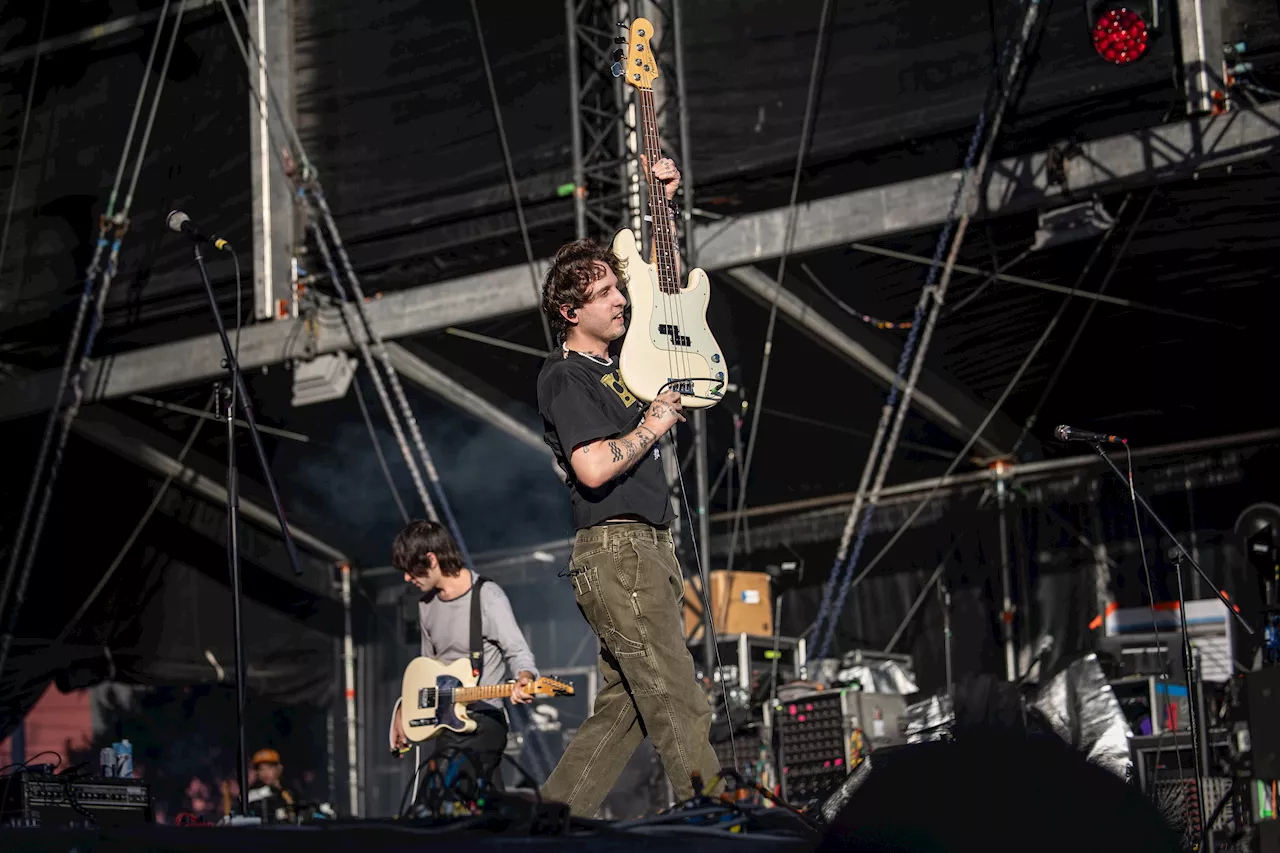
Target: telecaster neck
477,694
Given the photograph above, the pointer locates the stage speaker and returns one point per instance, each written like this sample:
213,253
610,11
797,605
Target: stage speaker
992,792
64,802
742,604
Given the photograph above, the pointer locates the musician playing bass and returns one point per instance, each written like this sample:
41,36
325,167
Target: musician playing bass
429,558
625,576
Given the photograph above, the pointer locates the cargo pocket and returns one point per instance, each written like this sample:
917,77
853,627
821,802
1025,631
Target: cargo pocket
584,573
638,668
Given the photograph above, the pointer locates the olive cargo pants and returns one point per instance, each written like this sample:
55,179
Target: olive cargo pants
628,586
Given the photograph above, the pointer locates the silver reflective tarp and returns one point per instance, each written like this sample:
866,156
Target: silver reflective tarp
873,671
1082,709
928,720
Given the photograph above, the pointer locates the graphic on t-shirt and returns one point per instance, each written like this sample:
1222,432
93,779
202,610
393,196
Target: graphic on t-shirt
613,381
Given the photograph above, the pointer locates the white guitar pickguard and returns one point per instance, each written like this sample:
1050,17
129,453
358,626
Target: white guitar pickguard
668,338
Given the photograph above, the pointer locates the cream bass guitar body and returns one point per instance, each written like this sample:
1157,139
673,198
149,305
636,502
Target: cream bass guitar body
434,696
668,344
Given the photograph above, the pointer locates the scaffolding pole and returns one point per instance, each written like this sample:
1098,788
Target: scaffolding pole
606,174
1006,581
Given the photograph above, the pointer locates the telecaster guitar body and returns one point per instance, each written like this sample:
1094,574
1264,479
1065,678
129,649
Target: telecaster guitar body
668,338
426,701
434,696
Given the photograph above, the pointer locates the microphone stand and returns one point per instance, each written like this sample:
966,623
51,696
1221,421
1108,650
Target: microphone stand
1194,719
228,397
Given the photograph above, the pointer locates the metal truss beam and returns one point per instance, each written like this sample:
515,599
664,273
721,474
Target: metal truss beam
1017,184
1024,471
1147,157
434,381
935,398
121,436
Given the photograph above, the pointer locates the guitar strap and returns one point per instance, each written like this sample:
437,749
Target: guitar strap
477,628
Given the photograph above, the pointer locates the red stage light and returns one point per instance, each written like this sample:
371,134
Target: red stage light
1120,36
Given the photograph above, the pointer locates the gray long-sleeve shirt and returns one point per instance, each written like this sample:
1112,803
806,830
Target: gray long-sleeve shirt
446,634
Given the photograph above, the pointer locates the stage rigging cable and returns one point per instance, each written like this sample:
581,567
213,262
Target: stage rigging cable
309,185
1030,422
15,582
377,448
972,180
806,132
137,529
22,138
1004,395
353,331
511,176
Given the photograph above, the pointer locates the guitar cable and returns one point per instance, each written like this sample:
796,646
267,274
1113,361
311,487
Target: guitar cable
704,593
719,382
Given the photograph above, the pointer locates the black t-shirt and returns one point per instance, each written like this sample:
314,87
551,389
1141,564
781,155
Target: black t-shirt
582,400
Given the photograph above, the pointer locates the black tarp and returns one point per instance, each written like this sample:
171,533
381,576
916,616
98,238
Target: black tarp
167,610
1053,574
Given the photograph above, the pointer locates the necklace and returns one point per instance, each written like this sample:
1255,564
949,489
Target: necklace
607,361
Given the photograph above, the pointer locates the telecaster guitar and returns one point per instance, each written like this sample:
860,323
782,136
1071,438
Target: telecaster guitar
668,344
434,696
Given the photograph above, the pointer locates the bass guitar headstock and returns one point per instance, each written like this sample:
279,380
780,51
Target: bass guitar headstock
637,64
550,687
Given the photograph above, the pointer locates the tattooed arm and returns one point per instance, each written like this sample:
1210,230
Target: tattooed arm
597,462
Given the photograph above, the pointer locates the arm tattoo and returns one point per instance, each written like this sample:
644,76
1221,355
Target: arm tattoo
644,437
631,448
617,454
658,410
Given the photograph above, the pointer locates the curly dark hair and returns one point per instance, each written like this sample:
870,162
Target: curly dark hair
417,540
571,275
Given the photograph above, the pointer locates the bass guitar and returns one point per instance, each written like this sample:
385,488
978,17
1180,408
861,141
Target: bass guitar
435,696
668,344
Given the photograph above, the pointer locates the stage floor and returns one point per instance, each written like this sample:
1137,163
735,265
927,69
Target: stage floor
373,837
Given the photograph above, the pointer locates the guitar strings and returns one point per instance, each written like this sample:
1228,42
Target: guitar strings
662,236
657,234
657,256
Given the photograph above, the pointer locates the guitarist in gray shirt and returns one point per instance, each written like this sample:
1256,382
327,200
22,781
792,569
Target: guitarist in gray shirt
430,560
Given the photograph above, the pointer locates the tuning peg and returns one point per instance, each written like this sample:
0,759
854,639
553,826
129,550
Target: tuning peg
619,39
624,25
619,55
616,68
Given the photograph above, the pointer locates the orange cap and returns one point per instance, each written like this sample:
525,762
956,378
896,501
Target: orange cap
266,756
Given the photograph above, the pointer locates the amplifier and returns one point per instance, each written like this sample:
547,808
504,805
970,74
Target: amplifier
63,802
812,744
747,660
1151,705
881,717
1169,756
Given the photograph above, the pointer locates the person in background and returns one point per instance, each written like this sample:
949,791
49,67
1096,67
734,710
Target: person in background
268,798
431,562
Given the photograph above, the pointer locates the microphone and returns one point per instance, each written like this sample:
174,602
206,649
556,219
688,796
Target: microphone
1066,433
180,222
